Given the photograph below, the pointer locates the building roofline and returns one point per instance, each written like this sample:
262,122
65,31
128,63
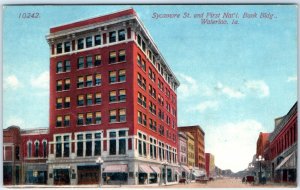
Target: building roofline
55,29
193,126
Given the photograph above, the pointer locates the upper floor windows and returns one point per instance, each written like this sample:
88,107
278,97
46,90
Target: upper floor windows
89,118
67,46
112,57
97,60
59,67
121,76
89,81
141,99
121,34
121,117
122,55
112,37
80,63
80,43
63,66
141,81
97,40
121,96
88,42
59,48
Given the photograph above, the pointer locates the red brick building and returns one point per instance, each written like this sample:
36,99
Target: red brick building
210,165
283,147
24,156
261,144
199,135
113,95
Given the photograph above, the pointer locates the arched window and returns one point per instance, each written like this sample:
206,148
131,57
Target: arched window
36,152
29,149
45,149
59,67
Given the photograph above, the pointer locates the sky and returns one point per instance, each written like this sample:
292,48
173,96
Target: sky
235,79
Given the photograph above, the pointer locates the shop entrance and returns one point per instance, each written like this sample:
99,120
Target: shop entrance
88,174
61,177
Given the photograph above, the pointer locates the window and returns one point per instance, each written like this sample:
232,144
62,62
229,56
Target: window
80,63
89,118
89,81
140,120
80,100
89,61
67,65
140,146
89,99
29,149
58,103
89,42
112,57
112,37
122,115
67,46
59,67
112,96
98,118
112,76
66,146
144,146
36,152
139,60
97,39
67,102
122,75
98,80
67,121
139,39
143,45
97,144
58,121
17,153
140,98
98,98
59,85
80,43
97,60
45,149
122,146
112,116
112,143
143,65
79,145
58,147
88,144
122,95
80,83
121,34
67,84
80,119
122,55
59,48
144,120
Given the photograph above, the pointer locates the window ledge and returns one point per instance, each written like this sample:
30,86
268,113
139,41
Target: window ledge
117,122
63,72
115,102
116,62
87,125
117,82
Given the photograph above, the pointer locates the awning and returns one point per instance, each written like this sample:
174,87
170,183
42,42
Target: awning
155,169
199,173
120,168
61,167
185,168
145,169
288,162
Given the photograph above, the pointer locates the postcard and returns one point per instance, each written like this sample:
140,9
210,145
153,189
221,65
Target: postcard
150,96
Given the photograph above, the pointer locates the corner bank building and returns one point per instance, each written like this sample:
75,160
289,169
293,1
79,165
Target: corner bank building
112,95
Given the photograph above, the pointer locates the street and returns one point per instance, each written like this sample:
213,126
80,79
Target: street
219,183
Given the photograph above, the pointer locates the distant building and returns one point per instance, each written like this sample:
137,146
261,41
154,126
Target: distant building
183,155
191,150
261,143
25,153
199,135
210,165
283,147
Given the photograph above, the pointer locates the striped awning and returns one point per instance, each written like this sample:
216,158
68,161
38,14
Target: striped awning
288,162
199,173
185,168
120,168
145,169
156,169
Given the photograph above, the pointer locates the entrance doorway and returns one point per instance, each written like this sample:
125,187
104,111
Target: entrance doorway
61,177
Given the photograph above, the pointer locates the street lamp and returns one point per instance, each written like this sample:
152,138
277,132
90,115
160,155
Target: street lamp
165,163
260,159
191,173
100,162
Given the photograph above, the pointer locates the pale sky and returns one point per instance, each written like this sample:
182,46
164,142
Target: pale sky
235,79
